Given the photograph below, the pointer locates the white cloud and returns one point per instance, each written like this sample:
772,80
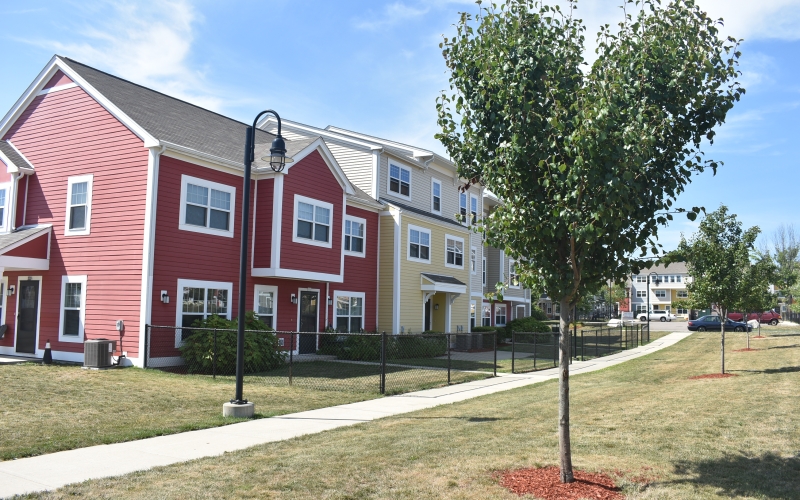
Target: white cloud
392,14
144,42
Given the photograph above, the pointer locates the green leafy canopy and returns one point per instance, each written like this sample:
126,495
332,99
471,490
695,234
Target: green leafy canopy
587,162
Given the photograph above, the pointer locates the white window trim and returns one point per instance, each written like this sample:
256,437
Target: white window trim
465,221
342,293
364,223
483,271
512,264
454,238
408,244
486,306
436,181
4,221
81,330
4,300
89,180
182,283
641,294
496,309
657,292
317,203
475,250
389,179
477,208
265,288
187,179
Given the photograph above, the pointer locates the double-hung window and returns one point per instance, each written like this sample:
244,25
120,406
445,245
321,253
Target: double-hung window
486,315
677,279
349,311
462,208
473,260
513,276
661,294
500,315
483,270
454,252
641,293
199,300
265,300
473,208
206,207
73,308
419,244
641,279
400,180
3,209
354,231
79,205
312,221
683,294
436,197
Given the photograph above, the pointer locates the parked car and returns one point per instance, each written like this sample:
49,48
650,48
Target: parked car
713,324
772,317
658,316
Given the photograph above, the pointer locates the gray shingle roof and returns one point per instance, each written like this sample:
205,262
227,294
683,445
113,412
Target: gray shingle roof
13,156
423,212
172,120
675,267
438,278
6,240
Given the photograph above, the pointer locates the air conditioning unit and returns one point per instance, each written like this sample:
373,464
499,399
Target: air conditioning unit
97,353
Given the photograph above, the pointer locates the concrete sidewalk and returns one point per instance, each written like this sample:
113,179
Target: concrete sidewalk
47,472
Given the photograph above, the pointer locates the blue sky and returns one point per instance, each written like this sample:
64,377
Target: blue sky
375,67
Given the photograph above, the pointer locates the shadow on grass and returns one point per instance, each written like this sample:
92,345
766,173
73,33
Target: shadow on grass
763,476
784,346
772,371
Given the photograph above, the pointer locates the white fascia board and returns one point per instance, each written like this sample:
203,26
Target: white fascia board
24,263
203,159
442,287
407,160
314,131
515,299
271,272
55,64
372,206
417,152
431,220
327,156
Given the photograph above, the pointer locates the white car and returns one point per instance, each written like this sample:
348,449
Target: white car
658,316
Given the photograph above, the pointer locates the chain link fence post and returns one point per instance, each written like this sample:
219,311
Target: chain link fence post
291,356
495,354
383,364
513,351
214,357
447,336
146,345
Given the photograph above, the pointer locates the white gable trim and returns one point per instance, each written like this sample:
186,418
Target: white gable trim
55,64
57,88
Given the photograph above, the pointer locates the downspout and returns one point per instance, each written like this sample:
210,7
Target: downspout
12,212
376,165
25,205
327,306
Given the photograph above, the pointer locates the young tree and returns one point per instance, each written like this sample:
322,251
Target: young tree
587,163
755,294
718,259
786,248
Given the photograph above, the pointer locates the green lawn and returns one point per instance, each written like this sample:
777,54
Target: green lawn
643,421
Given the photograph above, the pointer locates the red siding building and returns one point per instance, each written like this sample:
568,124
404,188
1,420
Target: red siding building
121,203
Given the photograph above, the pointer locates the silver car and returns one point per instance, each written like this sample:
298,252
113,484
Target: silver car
658,316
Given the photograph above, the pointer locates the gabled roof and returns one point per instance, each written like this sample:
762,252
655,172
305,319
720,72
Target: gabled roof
11,157
439,278
425,213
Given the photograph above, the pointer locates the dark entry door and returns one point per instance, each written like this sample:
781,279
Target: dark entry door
308,321
28,316
428,315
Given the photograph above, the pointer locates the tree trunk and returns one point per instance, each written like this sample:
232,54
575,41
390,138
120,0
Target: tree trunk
722,347
565,453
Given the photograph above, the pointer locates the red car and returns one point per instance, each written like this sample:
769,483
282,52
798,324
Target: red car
770,317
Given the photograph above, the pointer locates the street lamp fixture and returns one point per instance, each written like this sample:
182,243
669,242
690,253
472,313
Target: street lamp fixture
238,406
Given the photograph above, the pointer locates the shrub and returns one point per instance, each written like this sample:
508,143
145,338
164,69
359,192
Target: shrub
261,349
368,348
484,329
537,313
528,324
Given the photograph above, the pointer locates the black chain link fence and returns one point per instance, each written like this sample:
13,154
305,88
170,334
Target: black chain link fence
355,362
539,351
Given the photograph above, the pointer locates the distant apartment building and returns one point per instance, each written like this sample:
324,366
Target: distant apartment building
667,286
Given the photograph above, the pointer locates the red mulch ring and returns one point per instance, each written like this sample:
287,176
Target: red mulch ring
746,349
546,483
713,375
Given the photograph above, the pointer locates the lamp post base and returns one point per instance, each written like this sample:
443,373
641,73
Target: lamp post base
243,410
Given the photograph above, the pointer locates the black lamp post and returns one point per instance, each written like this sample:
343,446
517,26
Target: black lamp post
658,282
277,160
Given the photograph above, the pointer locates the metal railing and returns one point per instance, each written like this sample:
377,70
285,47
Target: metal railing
539,351
359,362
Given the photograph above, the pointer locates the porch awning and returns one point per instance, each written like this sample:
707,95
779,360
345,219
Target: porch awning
440,283
26,249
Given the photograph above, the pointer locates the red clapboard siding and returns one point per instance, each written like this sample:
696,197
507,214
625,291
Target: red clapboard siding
67,133
262,252
58,79
36,249
361,273
181,254
311,177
